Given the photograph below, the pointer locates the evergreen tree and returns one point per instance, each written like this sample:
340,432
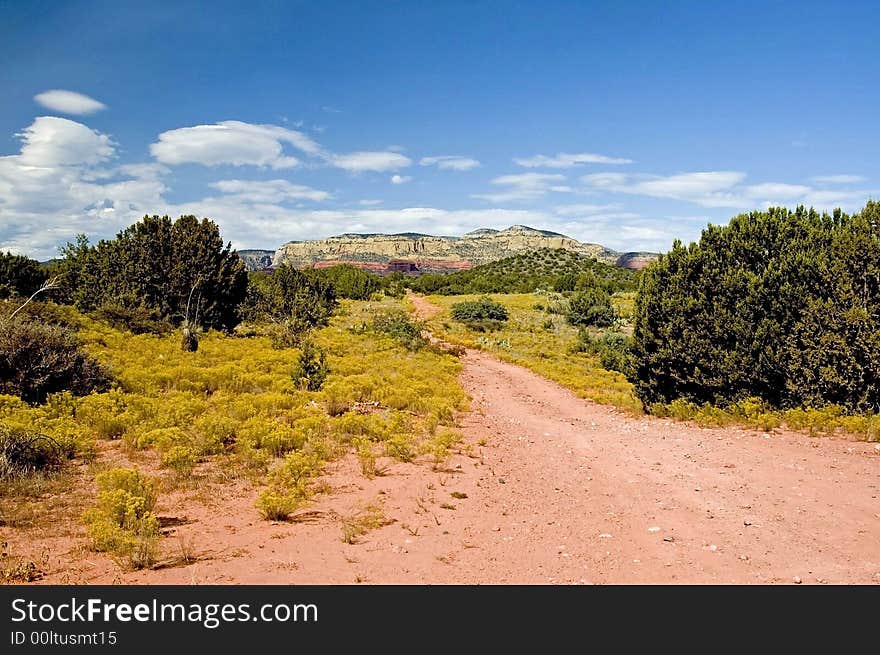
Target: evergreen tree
782,305
19,276
160,265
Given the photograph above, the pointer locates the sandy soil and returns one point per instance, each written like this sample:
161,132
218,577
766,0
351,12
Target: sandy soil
555,489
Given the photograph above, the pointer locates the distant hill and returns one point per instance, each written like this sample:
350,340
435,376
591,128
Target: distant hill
256,260
443,253
545,268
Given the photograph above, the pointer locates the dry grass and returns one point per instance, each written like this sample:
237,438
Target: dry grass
368,518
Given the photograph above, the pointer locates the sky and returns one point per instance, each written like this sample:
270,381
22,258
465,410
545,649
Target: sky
629,124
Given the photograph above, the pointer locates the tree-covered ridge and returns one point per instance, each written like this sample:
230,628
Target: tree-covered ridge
546,268
781,305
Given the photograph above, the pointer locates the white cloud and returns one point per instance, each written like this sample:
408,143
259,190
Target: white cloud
232,142
52,141
605,180
269,191
525,186
450,162
369,202
568,160
359,162
776,190
56,188
725,189
690,185
708,188
400,179
244,144
838,179
69,102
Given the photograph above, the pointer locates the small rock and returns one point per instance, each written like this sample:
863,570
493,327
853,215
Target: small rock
713,548
797,579
604,535
747,523
500,480
654,529
496,529
670,539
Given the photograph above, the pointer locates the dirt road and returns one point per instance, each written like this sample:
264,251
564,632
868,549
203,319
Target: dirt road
590,494
555,489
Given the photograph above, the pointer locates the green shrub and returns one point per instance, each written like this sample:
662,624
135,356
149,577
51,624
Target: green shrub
779,305
19,276
158,263
612,348
136,318
293,301
311,367
123,523
37,359
481,315
348,281
394,285
591,308
400,326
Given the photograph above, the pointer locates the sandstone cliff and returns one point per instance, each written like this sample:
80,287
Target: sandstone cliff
475,248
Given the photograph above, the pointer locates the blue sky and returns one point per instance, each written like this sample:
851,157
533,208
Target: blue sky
623,123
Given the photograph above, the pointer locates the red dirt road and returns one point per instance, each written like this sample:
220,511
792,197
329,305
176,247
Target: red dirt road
591,494
555,489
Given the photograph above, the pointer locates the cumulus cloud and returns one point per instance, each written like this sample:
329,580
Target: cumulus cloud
52,141
524,186
568,160
69,102
57,186
400,179
377,161
232,142
450,162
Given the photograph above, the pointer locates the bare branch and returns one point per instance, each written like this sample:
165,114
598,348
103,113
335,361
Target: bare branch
49,285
